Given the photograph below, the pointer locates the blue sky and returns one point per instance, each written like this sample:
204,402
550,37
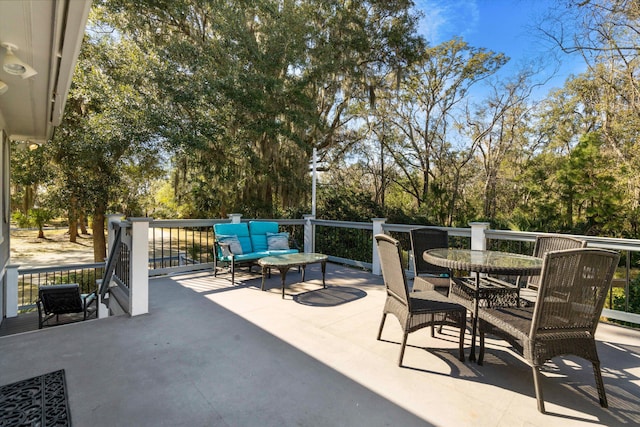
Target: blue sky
506,26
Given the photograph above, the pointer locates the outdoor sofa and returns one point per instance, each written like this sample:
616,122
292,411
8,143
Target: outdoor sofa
245,243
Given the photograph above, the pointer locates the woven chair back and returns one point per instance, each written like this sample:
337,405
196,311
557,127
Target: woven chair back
573,287
552,243
423,239
393,274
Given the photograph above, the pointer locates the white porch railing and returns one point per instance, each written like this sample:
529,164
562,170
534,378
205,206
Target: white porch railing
159,247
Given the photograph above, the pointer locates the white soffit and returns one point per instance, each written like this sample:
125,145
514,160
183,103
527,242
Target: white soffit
48,34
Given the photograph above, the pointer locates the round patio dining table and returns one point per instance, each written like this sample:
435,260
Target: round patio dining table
483,262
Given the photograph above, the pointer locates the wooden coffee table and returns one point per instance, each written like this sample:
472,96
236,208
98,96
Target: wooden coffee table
284,262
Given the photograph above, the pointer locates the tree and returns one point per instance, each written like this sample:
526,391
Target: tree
588,185
427,112
606,33
107,132
29,171
39,217
249,88
500,125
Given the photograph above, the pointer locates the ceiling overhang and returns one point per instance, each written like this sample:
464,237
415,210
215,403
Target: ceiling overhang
48,34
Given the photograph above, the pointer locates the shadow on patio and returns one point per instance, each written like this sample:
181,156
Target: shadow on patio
209,353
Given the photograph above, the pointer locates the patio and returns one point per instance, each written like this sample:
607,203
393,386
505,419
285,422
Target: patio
209,353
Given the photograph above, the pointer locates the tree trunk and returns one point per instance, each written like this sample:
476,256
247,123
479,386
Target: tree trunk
73,230
82,220
490,195
40,232
73,220
569,219
99,240
27,199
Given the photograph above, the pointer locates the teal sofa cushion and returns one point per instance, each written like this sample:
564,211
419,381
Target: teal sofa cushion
240,230
259,230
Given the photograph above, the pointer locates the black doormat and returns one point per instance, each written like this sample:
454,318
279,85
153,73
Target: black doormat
38,401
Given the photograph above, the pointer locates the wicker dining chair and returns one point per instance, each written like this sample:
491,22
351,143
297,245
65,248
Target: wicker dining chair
573,286
428,276
415,310
544,244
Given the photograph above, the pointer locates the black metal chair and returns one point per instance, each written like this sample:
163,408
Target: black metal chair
415,310
572,290
429,276
54,300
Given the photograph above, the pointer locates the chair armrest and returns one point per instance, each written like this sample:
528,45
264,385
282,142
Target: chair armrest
40,305
89,298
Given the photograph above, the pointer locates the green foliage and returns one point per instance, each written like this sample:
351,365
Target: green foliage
21,220
36,217
620,300
246,89
39,216
85,278
106,149
346,204
200,109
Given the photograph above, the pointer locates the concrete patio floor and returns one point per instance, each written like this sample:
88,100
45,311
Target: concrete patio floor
213,354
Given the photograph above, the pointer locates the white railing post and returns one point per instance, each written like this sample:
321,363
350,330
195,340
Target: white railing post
235,218
11,301
139,266
375,259
478,240
309,234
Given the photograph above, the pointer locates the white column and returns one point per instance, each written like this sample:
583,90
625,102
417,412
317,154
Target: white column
235,218
478,239
309,234
139,267
11,302
103,309
377,229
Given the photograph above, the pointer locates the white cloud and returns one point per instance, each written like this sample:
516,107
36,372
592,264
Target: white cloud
445,19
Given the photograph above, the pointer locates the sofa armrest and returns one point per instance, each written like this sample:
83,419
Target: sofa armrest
222,250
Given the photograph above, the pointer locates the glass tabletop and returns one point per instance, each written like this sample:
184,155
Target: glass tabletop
484,261
292,259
